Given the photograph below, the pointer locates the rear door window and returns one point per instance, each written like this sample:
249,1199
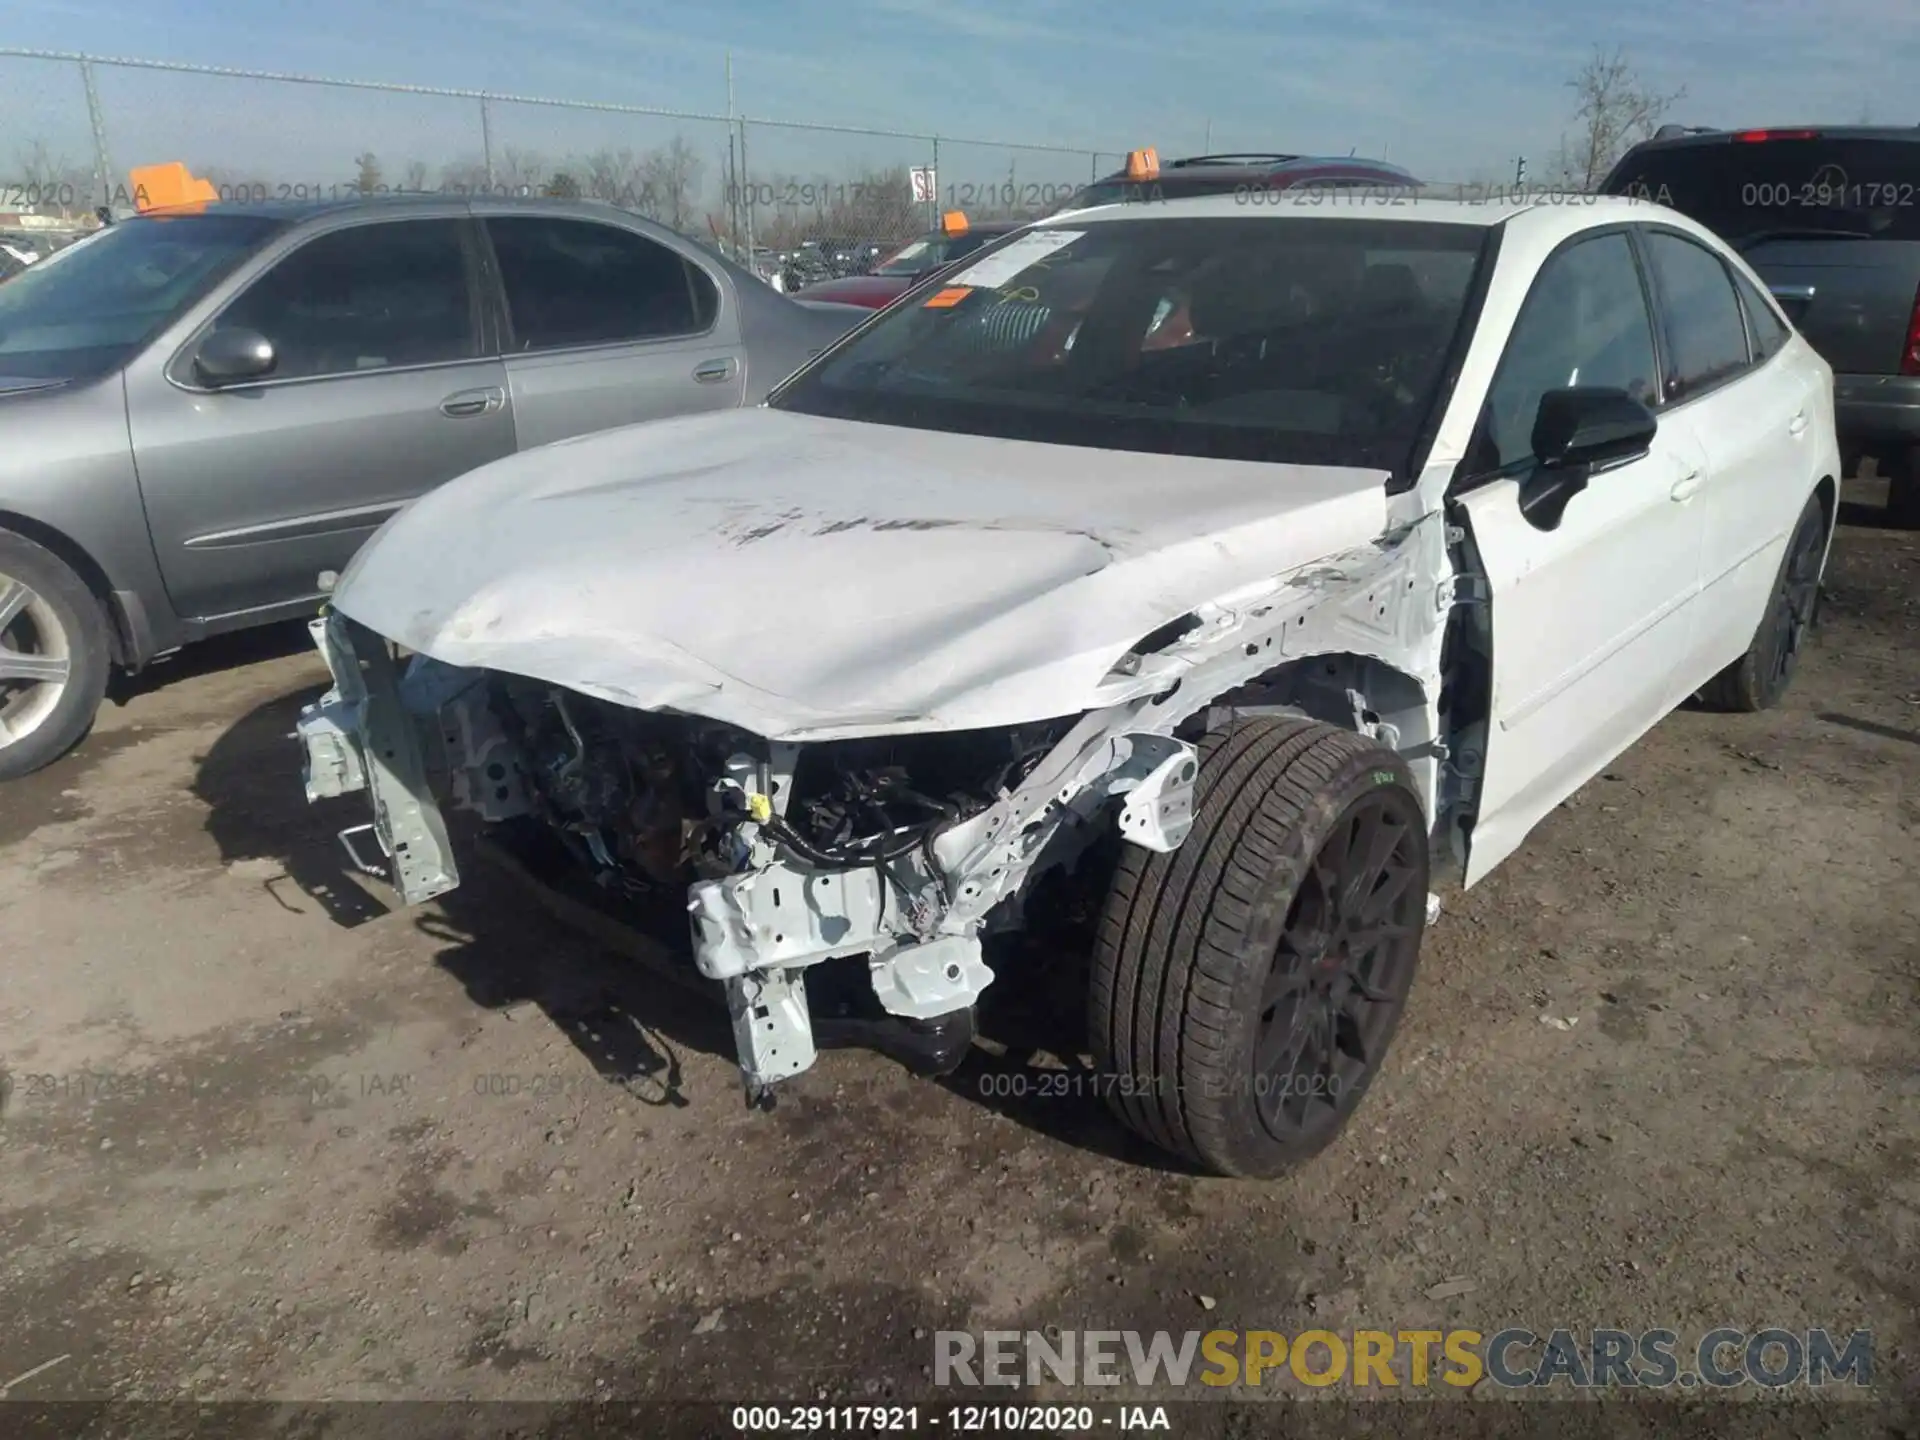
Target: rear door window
1765,329
575,282
1743,190
1706,336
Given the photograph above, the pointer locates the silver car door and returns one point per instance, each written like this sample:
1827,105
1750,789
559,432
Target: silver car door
607,326
380,388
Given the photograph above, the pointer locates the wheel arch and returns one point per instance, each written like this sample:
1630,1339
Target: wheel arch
1355,691
93,575
1827,490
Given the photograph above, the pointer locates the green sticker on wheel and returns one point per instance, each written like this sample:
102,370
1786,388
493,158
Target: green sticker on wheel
1384,777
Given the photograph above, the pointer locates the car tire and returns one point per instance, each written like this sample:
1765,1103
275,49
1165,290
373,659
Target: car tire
1903,491
1759,678
1212,960
49,614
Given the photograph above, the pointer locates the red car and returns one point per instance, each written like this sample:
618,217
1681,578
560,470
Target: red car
911,263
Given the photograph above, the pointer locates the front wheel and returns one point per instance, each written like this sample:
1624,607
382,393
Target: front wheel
1246,986
53,657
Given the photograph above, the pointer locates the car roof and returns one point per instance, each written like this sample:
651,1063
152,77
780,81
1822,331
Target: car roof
295,211
1332,205
1679,137
1251,167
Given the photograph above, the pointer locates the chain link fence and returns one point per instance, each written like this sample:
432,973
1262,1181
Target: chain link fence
73,125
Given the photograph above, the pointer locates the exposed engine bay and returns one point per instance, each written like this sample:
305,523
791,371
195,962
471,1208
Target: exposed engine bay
661,801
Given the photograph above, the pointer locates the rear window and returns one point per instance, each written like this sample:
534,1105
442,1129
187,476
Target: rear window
1745,190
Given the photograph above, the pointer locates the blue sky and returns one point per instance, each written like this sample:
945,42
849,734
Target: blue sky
1451,88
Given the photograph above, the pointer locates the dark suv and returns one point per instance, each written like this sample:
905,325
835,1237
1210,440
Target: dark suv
1237,175
1830,218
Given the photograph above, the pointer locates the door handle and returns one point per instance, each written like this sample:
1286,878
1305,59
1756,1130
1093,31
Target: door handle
1685,487
473,402
709,372
1802,293
1798,425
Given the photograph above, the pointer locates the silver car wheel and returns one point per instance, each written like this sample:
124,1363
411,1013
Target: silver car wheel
36,659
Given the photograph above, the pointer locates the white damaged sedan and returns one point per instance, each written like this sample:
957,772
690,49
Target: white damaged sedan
1232,575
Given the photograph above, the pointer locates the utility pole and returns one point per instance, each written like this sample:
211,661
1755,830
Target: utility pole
96,119
1520,172
1207,147
486,140
733,171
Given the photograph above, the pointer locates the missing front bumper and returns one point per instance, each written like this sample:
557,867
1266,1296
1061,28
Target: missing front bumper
757,932
360,736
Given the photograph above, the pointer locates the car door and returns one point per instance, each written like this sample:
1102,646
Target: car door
1753,410
1591,617
381,388
608,326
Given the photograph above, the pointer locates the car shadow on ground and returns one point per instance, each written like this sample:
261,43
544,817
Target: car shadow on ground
250,781
505,952
1032,1063
1870,727
208,657
634,1008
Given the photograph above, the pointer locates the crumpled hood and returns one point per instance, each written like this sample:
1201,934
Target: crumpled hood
807,578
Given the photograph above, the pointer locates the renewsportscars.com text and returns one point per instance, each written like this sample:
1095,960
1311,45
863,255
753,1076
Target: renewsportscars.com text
1724,1358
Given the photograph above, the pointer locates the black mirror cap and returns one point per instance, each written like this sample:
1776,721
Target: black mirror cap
1591,425
227,356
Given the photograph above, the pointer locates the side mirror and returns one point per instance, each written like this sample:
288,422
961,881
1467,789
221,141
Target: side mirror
1576,433
1590,427
227,356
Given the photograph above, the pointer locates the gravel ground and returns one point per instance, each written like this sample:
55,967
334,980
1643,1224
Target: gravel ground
268,1136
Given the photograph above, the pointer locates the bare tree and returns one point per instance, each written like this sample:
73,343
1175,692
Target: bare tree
562,186
611,175
415,175
48,181
368,180
463,176
1615,109
520,172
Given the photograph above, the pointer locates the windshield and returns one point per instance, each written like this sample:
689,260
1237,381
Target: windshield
86,309
1313,341
1746,190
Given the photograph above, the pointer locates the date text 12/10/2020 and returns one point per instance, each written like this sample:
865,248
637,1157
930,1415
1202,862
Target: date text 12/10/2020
1043,1084
957,1419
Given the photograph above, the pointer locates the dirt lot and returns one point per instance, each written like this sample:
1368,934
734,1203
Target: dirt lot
268,1137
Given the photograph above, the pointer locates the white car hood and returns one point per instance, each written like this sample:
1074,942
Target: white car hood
808,579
